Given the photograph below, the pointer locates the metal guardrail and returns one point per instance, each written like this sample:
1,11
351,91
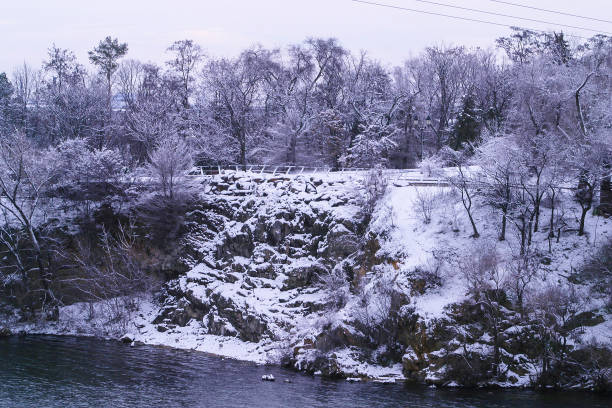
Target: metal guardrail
412,177
202,171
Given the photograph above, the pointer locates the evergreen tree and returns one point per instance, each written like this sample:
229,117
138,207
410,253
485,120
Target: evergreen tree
106,57
6,92
467,127
558,47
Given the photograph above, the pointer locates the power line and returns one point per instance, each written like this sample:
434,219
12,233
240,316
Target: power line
551,11
510,16
475,20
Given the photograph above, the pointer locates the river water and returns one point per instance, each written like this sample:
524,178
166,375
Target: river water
48,371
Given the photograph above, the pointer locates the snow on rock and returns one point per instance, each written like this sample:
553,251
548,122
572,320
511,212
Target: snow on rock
282,272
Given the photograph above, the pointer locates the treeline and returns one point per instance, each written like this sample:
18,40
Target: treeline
73,142
311,103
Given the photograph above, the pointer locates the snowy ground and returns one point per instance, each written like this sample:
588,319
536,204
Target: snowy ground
414,242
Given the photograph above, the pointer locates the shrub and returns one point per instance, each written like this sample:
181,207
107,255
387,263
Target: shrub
169,162
375,186
424,203
336,284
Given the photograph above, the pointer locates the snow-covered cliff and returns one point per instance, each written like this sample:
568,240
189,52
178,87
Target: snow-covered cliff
297,271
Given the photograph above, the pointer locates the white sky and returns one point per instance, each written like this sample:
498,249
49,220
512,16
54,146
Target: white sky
224,27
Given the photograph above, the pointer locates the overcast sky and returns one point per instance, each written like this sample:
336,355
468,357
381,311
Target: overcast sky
224,27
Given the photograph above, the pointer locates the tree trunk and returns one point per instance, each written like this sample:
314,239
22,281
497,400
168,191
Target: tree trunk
496,350
465,195
291,154
551,232
536,205
243,160
605,194
502,235
537,216
523,235
476,234
585,210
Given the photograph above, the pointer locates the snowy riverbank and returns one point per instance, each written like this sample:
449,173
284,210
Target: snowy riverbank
263,286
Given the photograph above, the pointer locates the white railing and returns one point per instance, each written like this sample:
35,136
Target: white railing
405,176
203,171
409,176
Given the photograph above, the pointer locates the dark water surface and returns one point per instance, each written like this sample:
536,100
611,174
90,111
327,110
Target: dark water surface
48,371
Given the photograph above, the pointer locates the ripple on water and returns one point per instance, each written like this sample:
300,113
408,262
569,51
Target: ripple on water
50,371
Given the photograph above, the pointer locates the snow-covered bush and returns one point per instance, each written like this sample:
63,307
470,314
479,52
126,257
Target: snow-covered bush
169,161
482,268
424,203
374,188
598,271
431,166
559,310
336,284
370,148
383,309
88,175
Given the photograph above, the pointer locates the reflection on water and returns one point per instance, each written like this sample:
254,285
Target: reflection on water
48,371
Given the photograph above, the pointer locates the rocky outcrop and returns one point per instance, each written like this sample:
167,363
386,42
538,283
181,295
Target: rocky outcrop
257,238
302,274
339,243
261,252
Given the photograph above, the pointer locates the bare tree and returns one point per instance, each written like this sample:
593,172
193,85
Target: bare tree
169,162
187,55
110,272
487,283
463,181
236,93
26,82
522,270
61,64
446,69
424,203
590,158
25,176
498,158
151,106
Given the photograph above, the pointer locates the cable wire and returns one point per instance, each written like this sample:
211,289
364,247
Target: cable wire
475,20
551,11
511,16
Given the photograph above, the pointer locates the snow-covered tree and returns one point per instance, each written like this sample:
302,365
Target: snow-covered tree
169,162
184,63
